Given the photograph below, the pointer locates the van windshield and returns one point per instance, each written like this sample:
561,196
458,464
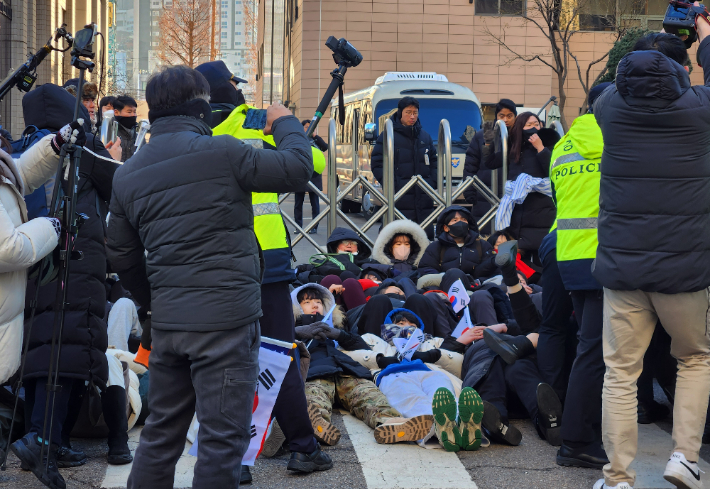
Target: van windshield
463,116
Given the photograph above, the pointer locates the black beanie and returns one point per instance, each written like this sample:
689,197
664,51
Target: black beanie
595,92
506,103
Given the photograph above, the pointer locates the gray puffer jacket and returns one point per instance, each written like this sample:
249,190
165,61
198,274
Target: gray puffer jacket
185,197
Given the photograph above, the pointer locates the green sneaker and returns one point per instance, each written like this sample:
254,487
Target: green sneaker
470,417
444,407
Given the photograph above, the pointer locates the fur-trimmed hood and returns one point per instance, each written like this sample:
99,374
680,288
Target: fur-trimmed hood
418,241
338,314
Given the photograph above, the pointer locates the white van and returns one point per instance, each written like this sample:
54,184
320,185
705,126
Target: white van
438,100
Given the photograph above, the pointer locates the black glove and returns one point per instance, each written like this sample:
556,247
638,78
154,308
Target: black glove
331,333
383,361
311,331
74,132
431,356
488,133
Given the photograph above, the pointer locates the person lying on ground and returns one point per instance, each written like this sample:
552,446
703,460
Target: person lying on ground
346,253
335,377
531,271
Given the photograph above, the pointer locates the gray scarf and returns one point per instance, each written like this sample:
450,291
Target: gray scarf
8,169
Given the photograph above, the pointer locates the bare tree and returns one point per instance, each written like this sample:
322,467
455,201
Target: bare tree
559,21
185,33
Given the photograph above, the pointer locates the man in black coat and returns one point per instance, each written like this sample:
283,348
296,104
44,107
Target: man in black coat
414,154
477,153
185,198
655,186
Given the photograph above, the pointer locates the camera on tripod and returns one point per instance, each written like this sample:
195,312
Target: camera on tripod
680,20
344,53
84,48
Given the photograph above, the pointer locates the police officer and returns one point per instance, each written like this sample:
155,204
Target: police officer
225,94
291,409
575,174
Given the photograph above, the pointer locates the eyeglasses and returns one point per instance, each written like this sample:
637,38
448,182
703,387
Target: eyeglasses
348,242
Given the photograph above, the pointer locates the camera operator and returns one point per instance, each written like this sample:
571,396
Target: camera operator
655,186
202,272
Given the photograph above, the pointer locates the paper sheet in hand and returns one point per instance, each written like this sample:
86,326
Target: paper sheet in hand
458,296
407,347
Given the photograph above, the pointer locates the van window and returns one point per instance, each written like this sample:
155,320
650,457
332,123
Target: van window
463,116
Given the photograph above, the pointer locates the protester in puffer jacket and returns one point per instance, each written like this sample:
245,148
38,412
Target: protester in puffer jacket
401,244
348,252
530,147
24,242
414,154
458,246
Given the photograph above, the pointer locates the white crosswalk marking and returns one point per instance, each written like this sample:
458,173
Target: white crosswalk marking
404,465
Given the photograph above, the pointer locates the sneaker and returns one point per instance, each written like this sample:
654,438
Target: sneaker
274,441
322,429
395,430
309,462
28,449
470,417
447,431
68,457
313,231
621,485
682,473
549,415
499,430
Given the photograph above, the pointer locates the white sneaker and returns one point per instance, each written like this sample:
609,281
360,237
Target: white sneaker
621,485
682,473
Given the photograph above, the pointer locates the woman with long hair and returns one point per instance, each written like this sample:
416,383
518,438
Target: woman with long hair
530,147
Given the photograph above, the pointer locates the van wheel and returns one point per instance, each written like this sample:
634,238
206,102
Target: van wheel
349,207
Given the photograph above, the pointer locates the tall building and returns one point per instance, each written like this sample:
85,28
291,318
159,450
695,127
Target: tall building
25,26
237,36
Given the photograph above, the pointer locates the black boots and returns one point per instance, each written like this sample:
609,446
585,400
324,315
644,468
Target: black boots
497,428
590,457
549,415
505,259
309,462
245,476
509,348
28,449
113,403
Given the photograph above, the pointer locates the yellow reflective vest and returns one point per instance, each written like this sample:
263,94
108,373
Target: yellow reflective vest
575,173
269,226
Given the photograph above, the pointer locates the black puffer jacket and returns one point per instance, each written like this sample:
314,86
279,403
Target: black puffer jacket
531,221
84,338
475,257
410,145
655,182
475,156
185,197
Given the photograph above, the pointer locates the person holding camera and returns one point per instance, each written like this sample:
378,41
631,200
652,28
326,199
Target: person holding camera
186,199
655,184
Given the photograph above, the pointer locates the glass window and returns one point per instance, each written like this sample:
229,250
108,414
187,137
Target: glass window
463,115
239,22
598,15
500,7
224,35
237,33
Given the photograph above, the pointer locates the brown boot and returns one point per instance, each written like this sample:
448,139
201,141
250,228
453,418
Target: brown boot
323,431
395,430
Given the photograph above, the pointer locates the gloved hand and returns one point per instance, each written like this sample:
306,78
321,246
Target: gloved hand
73,132
56,223
431,356
330,333
384,362
311,331
488,133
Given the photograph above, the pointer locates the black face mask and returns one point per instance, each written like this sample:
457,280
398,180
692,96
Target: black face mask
240,98
129,122
459,229
528,133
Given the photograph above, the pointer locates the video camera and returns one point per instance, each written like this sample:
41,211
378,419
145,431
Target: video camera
681,18
344,53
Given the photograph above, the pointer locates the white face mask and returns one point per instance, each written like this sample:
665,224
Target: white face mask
401,251
354,253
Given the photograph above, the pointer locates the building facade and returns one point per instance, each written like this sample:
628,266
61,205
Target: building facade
456,38
26,29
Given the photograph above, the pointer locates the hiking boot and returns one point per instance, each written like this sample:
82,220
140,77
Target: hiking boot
447,431
499,430
309,462
470,417
682,473
509,348
245,476
273,442
590,457
395,430
621,485
505,259
27,449
322,429
68,457
549,416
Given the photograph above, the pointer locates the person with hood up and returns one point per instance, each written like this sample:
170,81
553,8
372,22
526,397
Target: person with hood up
225,94
530,147
84,337
414,154
650,191
479,150
333,375
401,244
346,253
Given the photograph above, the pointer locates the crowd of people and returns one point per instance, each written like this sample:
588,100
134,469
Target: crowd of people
437,335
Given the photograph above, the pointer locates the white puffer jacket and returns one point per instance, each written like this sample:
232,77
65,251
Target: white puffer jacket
22,244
